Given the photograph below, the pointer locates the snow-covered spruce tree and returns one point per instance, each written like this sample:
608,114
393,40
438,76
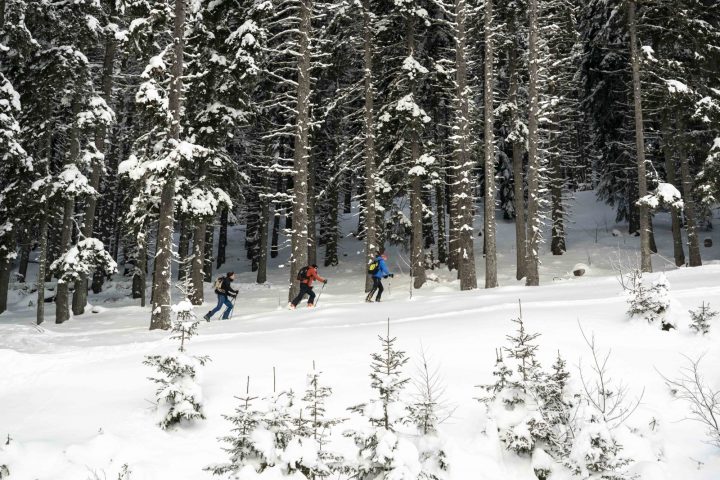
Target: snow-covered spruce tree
428,409
384,452
701,317
402,119
531,407
81,260
512,116
16,176
651,303
314,428
97,119
179,397
515,390
272,437
159,32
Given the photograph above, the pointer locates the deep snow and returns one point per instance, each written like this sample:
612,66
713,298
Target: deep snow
76,402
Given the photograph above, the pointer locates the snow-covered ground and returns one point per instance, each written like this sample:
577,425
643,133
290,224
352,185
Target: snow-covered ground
76,403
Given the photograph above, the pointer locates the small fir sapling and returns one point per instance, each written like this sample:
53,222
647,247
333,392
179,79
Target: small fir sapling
179,397
277,439
701,317
384,453
313,424
651,303
428,409
241,448
513,400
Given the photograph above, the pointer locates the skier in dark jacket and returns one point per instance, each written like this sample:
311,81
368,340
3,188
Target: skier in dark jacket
380,272
306,287
224,293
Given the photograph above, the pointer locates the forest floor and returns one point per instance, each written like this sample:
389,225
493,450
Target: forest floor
76,404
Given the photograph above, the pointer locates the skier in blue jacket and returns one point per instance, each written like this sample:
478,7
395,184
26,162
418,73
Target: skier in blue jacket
380,272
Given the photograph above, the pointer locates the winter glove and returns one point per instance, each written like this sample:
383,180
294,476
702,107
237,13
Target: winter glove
392,275
325,282
385,276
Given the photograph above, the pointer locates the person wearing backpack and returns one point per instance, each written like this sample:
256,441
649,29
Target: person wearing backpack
306,276
224,291
378,269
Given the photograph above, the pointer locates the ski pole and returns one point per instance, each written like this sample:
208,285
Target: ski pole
317,300
232,309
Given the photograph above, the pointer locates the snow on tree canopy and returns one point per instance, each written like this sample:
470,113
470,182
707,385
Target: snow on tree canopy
676,86
98,113
204,203
83,259
71,181
407,104
665,195
413,67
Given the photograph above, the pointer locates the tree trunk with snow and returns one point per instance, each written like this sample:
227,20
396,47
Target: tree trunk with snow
81,286
183,251
678,250
197,272
689,204
489,120
263,233
462,245
160,317
517,168
311,212
299,242
5,267
645,261
62,307
557,212
42,266
533,174
222,239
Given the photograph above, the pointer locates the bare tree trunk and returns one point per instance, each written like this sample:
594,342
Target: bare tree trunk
140,272
183,249
80,295
489,200
197,272
162,276
299,243
645,260
209,243
369,131
263,236
5,267
62,307
678,251
518,177
441,223
689,203
453,219
25,248
533,207
222,240
331,227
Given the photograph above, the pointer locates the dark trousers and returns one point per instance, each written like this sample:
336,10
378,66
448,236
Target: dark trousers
304,290
222,300
377,287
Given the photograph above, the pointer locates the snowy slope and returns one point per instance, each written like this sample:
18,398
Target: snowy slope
76,402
